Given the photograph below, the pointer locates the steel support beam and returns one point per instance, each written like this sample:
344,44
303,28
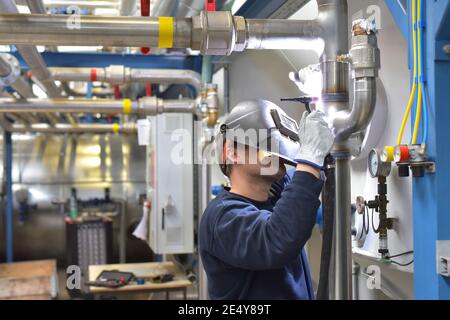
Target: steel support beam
430,197
103,60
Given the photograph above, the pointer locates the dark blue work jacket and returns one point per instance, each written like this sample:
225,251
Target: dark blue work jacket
254,250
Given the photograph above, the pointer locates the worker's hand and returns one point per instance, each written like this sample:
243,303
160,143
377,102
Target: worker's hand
316,140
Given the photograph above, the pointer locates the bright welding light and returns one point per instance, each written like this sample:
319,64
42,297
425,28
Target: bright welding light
309,80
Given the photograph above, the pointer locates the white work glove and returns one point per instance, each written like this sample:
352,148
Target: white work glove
316,140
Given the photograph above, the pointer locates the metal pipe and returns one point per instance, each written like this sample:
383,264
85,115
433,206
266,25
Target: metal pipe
10,76
284,34
127,7
189,8
34,60
37,6
104,106
355,274
214,33
23,88
364,101
145,106
9,209
63,128
167,77
93,31
164,8
82,4
122,233
205,199
120,74
342,240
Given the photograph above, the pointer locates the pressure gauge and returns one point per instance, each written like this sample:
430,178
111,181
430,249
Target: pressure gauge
378,168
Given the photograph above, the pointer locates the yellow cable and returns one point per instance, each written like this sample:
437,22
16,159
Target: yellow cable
418,115
419,98
407,113
414,87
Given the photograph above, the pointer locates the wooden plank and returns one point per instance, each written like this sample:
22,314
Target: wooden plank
33,278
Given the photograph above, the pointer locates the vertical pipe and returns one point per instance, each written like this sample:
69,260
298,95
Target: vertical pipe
9,221
355,275
343,243
207,69
226,89
328,213
205,198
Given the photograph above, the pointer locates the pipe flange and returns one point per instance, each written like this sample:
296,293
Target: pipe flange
241,34
213,33
116,74
15,70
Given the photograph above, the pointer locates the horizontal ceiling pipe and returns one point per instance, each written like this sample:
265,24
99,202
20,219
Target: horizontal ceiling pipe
82,4
62,128
127,7
37,6
10,76
213,33
34,60
120,75
147,106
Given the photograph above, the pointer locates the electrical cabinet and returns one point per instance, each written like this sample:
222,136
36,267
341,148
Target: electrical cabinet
170,183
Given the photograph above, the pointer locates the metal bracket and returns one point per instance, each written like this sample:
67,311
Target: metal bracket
443,257
430,167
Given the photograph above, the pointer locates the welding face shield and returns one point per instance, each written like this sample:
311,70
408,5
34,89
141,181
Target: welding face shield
263,127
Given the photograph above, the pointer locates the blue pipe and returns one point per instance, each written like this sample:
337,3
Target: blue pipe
8,156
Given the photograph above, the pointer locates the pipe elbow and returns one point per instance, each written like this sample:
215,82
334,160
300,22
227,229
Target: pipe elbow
358,119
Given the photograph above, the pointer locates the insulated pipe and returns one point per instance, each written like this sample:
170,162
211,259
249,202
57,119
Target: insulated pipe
62,128
126,75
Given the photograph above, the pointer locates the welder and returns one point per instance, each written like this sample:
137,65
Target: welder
253,234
